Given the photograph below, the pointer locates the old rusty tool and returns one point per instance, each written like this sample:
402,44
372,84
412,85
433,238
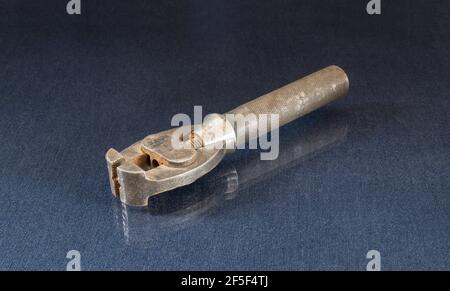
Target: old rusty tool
154,165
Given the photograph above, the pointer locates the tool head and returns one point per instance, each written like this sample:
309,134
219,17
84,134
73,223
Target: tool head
167,160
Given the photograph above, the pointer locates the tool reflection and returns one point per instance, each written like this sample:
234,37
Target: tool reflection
183,207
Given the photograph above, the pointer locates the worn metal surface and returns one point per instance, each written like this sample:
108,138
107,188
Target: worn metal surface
295,99
153,165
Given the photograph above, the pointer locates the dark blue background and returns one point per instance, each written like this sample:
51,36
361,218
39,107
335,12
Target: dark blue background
370,171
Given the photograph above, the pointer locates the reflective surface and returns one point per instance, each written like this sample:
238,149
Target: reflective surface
367,172
184,207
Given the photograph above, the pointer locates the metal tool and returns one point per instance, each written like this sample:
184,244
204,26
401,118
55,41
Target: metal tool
154,165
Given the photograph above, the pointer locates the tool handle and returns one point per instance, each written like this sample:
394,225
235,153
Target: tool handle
295,99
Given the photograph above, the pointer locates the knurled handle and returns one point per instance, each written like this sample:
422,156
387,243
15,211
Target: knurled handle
295,99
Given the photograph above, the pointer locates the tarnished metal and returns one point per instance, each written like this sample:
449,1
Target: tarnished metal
153,165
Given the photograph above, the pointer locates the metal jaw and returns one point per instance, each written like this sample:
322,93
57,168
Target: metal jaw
169,159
